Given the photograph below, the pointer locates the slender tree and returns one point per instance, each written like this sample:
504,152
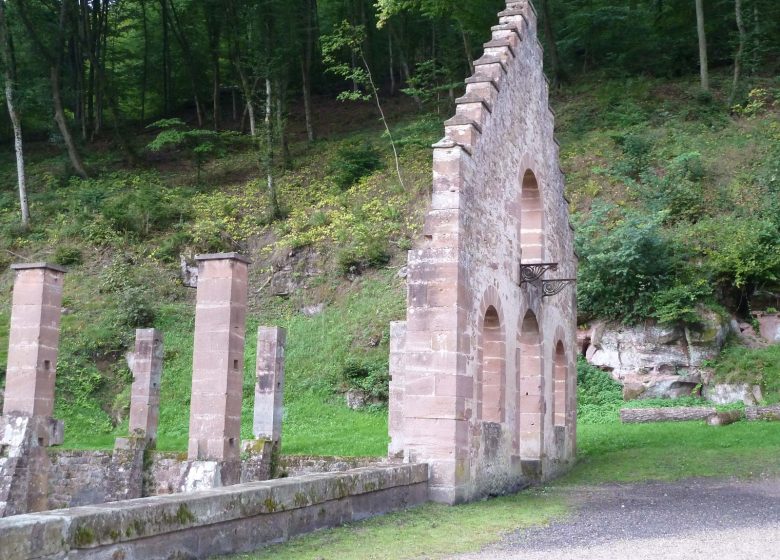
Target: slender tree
54,56
9,68
703,64
740,52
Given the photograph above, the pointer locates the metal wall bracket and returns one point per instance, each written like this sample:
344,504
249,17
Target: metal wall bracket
530,273
554,287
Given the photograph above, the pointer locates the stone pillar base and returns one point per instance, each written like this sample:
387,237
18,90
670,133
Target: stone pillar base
206,475
24,463
17,430
259,460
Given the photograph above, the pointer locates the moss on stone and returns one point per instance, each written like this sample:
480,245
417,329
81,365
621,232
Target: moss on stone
84,537
184,515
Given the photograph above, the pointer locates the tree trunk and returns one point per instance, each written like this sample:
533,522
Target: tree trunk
145,71
740,53
54,57
166,58
306,61
552,47
375,93
9,64
269,150
754,413
703,64
725,418
280,126
214,28
178,32
62,122
467,48
391,63
679,414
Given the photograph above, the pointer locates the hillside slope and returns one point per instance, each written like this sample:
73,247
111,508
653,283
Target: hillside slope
640,155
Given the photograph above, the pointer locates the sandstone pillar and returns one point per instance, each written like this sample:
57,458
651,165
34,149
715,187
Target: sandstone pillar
145,392
269,387
218,358
396,405
33,340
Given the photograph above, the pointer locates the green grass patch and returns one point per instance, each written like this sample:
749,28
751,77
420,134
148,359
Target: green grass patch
430,531
354,326
674,451
759,366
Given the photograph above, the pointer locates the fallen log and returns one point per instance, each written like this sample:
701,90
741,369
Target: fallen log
754,413
677,414
725,418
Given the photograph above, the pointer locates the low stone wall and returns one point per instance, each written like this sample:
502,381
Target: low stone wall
235,519
82,478
299,465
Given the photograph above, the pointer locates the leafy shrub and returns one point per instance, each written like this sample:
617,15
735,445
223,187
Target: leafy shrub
599,397
144,209
372,379
67,255
135,310
761,366
680,303
357,257
636,154
740,251
625,261
353,161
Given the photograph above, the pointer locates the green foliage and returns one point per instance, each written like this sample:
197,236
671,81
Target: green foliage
681,303
67,255
739,251
371,378
760,366
348,39
599,397
352,162
174,134
356,257
624,261
430,85
759,99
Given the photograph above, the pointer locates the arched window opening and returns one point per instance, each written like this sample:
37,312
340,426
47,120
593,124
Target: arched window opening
493,368
531,220
530,385
560,374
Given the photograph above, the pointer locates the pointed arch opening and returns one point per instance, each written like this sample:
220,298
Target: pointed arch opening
530,383
560,376
493,368
531,220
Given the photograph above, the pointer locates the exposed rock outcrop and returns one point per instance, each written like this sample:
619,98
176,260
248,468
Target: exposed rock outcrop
769,326
652,360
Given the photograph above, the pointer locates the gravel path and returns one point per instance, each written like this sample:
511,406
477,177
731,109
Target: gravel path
698,519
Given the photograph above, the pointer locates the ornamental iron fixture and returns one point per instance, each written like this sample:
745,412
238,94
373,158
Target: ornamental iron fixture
554,287
530,273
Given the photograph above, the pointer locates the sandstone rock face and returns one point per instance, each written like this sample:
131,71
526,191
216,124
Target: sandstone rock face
769,324
730,394
652,360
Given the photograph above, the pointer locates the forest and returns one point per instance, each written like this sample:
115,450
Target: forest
139,133
84,72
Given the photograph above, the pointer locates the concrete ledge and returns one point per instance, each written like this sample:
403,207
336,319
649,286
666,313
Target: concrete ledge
234,519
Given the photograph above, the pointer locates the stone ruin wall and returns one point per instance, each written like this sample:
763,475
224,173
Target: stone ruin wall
473,390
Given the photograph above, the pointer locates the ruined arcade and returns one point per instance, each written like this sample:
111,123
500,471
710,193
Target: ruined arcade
483,368
483,378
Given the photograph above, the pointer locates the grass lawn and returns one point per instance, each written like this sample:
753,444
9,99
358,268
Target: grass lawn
607,453
430,531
